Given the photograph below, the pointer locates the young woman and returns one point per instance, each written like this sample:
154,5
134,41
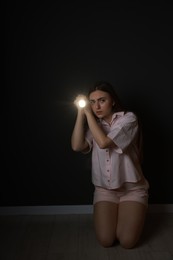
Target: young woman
121,190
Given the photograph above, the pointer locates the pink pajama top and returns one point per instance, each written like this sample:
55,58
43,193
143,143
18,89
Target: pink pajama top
113,167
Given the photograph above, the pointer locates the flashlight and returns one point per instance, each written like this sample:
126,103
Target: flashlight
82,103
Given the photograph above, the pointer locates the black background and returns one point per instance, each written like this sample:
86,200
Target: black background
54,51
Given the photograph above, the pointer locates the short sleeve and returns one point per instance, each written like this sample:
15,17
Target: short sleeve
124,131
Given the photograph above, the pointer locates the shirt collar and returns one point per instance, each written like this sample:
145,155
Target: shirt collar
114,116
121,113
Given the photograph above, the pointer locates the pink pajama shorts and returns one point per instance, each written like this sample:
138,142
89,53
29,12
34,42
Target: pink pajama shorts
138,194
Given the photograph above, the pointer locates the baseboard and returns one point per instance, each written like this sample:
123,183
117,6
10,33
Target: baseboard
71,209
159,208
47,210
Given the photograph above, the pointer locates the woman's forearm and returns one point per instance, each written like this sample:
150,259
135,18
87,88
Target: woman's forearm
78,142
98,134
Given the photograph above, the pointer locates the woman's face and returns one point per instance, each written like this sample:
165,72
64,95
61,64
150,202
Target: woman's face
102,104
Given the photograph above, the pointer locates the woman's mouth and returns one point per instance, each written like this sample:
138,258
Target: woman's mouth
98,112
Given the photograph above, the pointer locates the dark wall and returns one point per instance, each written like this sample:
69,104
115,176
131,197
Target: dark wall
52,52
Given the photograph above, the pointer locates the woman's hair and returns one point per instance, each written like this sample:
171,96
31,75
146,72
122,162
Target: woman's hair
107,87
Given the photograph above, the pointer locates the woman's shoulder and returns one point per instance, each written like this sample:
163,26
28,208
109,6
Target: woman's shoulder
130,112
130,115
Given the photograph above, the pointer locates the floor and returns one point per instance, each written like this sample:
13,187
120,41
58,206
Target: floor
71,237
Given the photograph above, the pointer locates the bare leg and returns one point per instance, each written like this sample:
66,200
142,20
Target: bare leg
131,217
105,221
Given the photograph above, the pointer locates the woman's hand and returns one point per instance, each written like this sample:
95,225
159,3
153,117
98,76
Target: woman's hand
81,101
83,104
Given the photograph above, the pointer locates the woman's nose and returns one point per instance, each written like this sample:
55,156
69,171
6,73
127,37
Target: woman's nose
97,104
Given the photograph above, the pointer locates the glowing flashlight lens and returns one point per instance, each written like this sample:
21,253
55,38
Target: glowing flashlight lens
82,103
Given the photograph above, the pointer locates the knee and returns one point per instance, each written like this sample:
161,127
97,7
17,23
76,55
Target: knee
127,242
105,241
